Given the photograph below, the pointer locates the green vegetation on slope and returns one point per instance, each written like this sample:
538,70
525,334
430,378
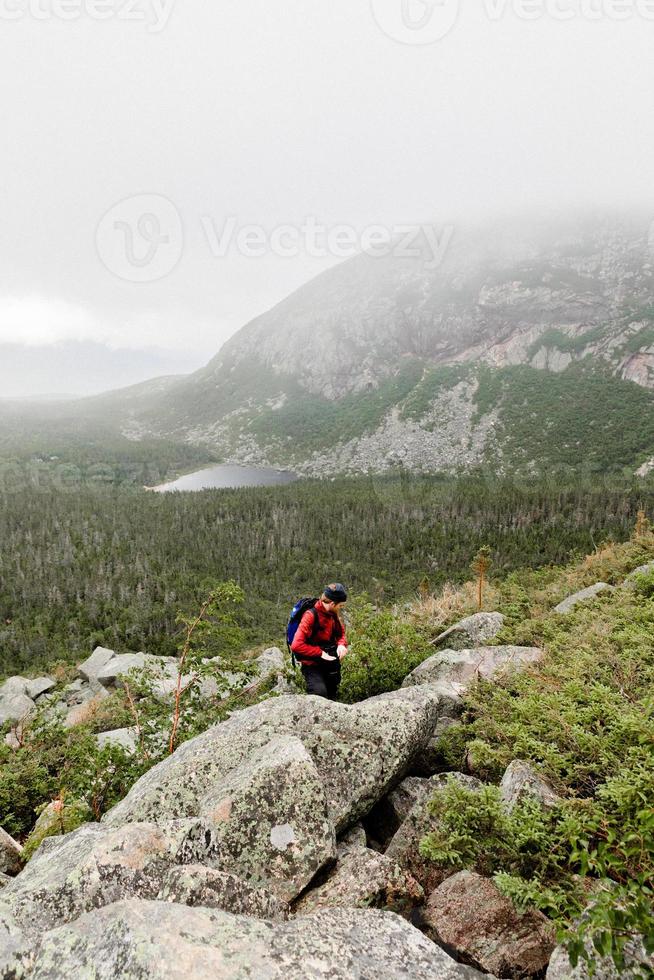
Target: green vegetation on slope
111,567
585,718
561,420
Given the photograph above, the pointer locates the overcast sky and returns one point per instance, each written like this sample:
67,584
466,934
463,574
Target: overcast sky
204,117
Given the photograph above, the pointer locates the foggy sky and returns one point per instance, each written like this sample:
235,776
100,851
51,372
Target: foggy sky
272,112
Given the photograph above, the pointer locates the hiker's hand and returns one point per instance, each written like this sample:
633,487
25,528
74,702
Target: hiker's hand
325,656
342,650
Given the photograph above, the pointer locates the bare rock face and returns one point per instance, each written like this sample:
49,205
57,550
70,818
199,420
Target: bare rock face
196,885
404,848
521,781
360,752
473,631
363,879
463,667
10,854
267,822
163,941
470,918
573,600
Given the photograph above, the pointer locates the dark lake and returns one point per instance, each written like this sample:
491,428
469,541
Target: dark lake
216,477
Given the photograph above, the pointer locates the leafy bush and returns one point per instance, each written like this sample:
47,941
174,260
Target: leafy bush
384,651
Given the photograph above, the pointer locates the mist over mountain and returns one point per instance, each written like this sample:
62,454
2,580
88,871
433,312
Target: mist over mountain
530,344
78,368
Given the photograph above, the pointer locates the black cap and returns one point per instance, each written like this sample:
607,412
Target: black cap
336,592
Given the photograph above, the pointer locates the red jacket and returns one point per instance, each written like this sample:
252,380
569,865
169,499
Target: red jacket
330,630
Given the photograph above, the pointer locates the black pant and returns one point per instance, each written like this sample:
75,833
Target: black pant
323,678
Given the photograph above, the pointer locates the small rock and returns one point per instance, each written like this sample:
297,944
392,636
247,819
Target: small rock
473,631
126,738
15,705
363,879
270,662
593,590
10,854
92,666
468,916
39,686
521,781
196,885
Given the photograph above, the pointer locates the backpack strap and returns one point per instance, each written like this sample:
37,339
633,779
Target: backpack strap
312,634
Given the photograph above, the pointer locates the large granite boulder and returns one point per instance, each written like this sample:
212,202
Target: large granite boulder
163,941
583,596
363,879
10,854
194,884
473,631
463,667
404,847
266,821
521,781
89,867
470,918
360,751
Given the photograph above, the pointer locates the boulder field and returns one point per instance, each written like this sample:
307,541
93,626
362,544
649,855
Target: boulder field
283,842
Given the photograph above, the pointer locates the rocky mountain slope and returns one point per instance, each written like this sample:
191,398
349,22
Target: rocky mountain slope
530,345
305,838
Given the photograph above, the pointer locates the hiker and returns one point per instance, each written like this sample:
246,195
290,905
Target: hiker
320,643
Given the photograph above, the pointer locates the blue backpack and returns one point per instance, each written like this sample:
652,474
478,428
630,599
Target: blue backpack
297,612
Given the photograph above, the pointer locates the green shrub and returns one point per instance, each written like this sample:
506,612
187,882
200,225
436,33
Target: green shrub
384,651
